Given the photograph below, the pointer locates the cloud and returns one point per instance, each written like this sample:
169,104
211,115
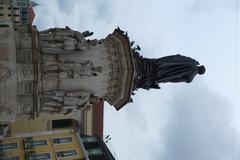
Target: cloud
199,127
179,121
81,15
206,6
100,8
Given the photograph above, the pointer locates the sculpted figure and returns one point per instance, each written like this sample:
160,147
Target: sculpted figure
174,68
64,102
63,40
71,70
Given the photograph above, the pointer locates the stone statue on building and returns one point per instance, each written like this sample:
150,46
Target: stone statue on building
66,102
59,70
71,70
174,68
64,40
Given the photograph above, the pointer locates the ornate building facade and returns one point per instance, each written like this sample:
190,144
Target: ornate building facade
64,142
17,11
60,71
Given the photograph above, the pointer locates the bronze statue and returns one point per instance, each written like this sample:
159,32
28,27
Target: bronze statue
174,68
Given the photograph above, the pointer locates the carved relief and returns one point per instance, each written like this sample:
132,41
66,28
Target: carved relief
50,84
25,88
71,70
49,59
65,102
25,36
24,56
63,40
5,72
28,72
28,87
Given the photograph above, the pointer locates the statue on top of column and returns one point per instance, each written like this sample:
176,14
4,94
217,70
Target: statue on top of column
174,68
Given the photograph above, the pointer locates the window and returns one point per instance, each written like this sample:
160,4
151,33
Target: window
89,139
8,146
61,123
66,153
39,156
95,152
4,25
30,143
63,140
24,17
9,158
22,4
24,11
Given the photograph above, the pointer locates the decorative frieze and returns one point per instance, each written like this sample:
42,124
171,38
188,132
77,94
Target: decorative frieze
50,84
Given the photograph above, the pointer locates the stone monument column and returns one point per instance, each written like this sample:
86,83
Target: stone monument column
61,71
72,63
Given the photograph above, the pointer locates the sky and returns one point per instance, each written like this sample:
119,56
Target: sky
196,121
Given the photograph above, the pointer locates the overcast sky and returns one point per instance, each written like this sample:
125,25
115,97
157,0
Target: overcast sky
196,121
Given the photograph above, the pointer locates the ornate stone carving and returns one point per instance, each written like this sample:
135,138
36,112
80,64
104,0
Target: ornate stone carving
24,56
71,70
50,84
65,102
25,87
28,72
63,40
5,72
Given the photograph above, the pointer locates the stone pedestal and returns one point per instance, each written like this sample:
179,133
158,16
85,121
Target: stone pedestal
60,71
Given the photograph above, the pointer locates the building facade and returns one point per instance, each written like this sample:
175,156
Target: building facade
9,13
17,11
57,138
90,122
64,144
67,144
